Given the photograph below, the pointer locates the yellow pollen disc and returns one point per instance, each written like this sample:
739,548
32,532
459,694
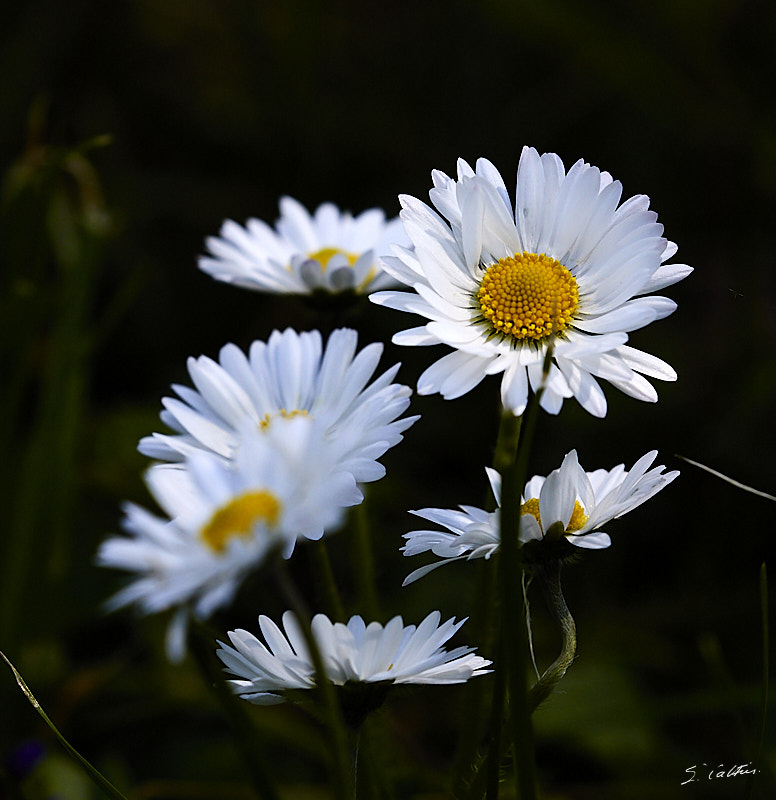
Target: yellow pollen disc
578,518
528,296
576,523
531,507
238,517
283,414
325,254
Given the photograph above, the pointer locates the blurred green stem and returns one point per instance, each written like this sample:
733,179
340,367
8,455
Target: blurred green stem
364,563
202,643
325,583
52,216
342,766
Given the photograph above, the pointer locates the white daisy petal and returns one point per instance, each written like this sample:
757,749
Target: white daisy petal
226,518
556,501
352,653
329,251
666,276
570,265
290,375
591,541
451,376
581,501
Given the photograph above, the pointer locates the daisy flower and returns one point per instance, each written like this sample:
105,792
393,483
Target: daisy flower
567,265
290,375
224,520
569,504
355,653
329,250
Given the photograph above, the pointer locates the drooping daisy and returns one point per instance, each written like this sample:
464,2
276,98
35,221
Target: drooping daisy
288,376
330,250
569,505
224,520
352,654
567,264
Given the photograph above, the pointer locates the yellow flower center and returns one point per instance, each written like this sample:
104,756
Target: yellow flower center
238,517
325,254
283,414
576,523
528,296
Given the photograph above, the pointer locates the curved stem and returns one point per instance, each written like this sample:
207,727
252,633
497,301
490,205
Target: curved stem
549,576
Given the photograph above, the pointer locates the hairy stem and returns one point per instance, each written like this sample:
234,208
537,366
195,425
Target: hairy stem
549,578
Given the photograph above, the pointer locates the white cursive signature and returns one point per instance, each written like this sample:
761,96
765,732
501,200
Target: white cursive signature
701,772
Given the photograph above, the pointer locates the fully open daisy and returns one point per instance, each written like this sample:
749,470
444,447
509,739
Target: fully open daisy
569,505
567,265
290,375
224,520
355,653
329,250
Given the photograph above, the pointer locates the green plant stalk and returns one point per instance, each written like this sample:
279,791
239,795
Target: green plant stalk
513,613
469,778
511,680
202,646
549,577
364,563
342,767
475,708
45,493
325,583
504,456
92,772
492,772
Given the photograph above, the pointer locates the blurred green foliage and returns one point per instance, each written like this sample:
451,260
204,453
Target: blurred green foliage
214,109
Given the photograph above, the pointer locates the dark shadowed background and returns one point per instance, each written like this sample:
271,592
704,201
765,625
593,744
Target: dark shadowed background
130,130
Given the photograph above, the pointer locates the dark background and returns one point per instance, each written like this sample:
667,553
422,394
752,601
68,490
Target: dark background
215,110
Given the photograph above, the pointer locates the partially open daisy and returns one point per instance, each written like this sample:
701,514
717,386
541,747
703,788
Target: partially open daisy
329,251
289,376
568,506
568,265
224,520
355,653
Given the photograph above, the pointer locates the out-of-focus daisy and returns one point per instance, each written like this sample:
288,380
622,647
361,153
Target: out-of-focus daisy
567,264
329,250
568,506
355,653
290,375
224,520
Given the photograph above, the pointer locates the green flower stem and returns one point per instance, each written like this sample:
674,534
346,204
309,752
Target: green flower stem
364,563
514,632
202,646
107,788
469,756
342,766
511,680
325,583
549,577
493,766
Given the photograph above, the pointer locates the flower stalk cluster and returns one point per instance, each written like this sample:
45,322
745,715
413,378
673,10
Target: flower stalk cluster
269,449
